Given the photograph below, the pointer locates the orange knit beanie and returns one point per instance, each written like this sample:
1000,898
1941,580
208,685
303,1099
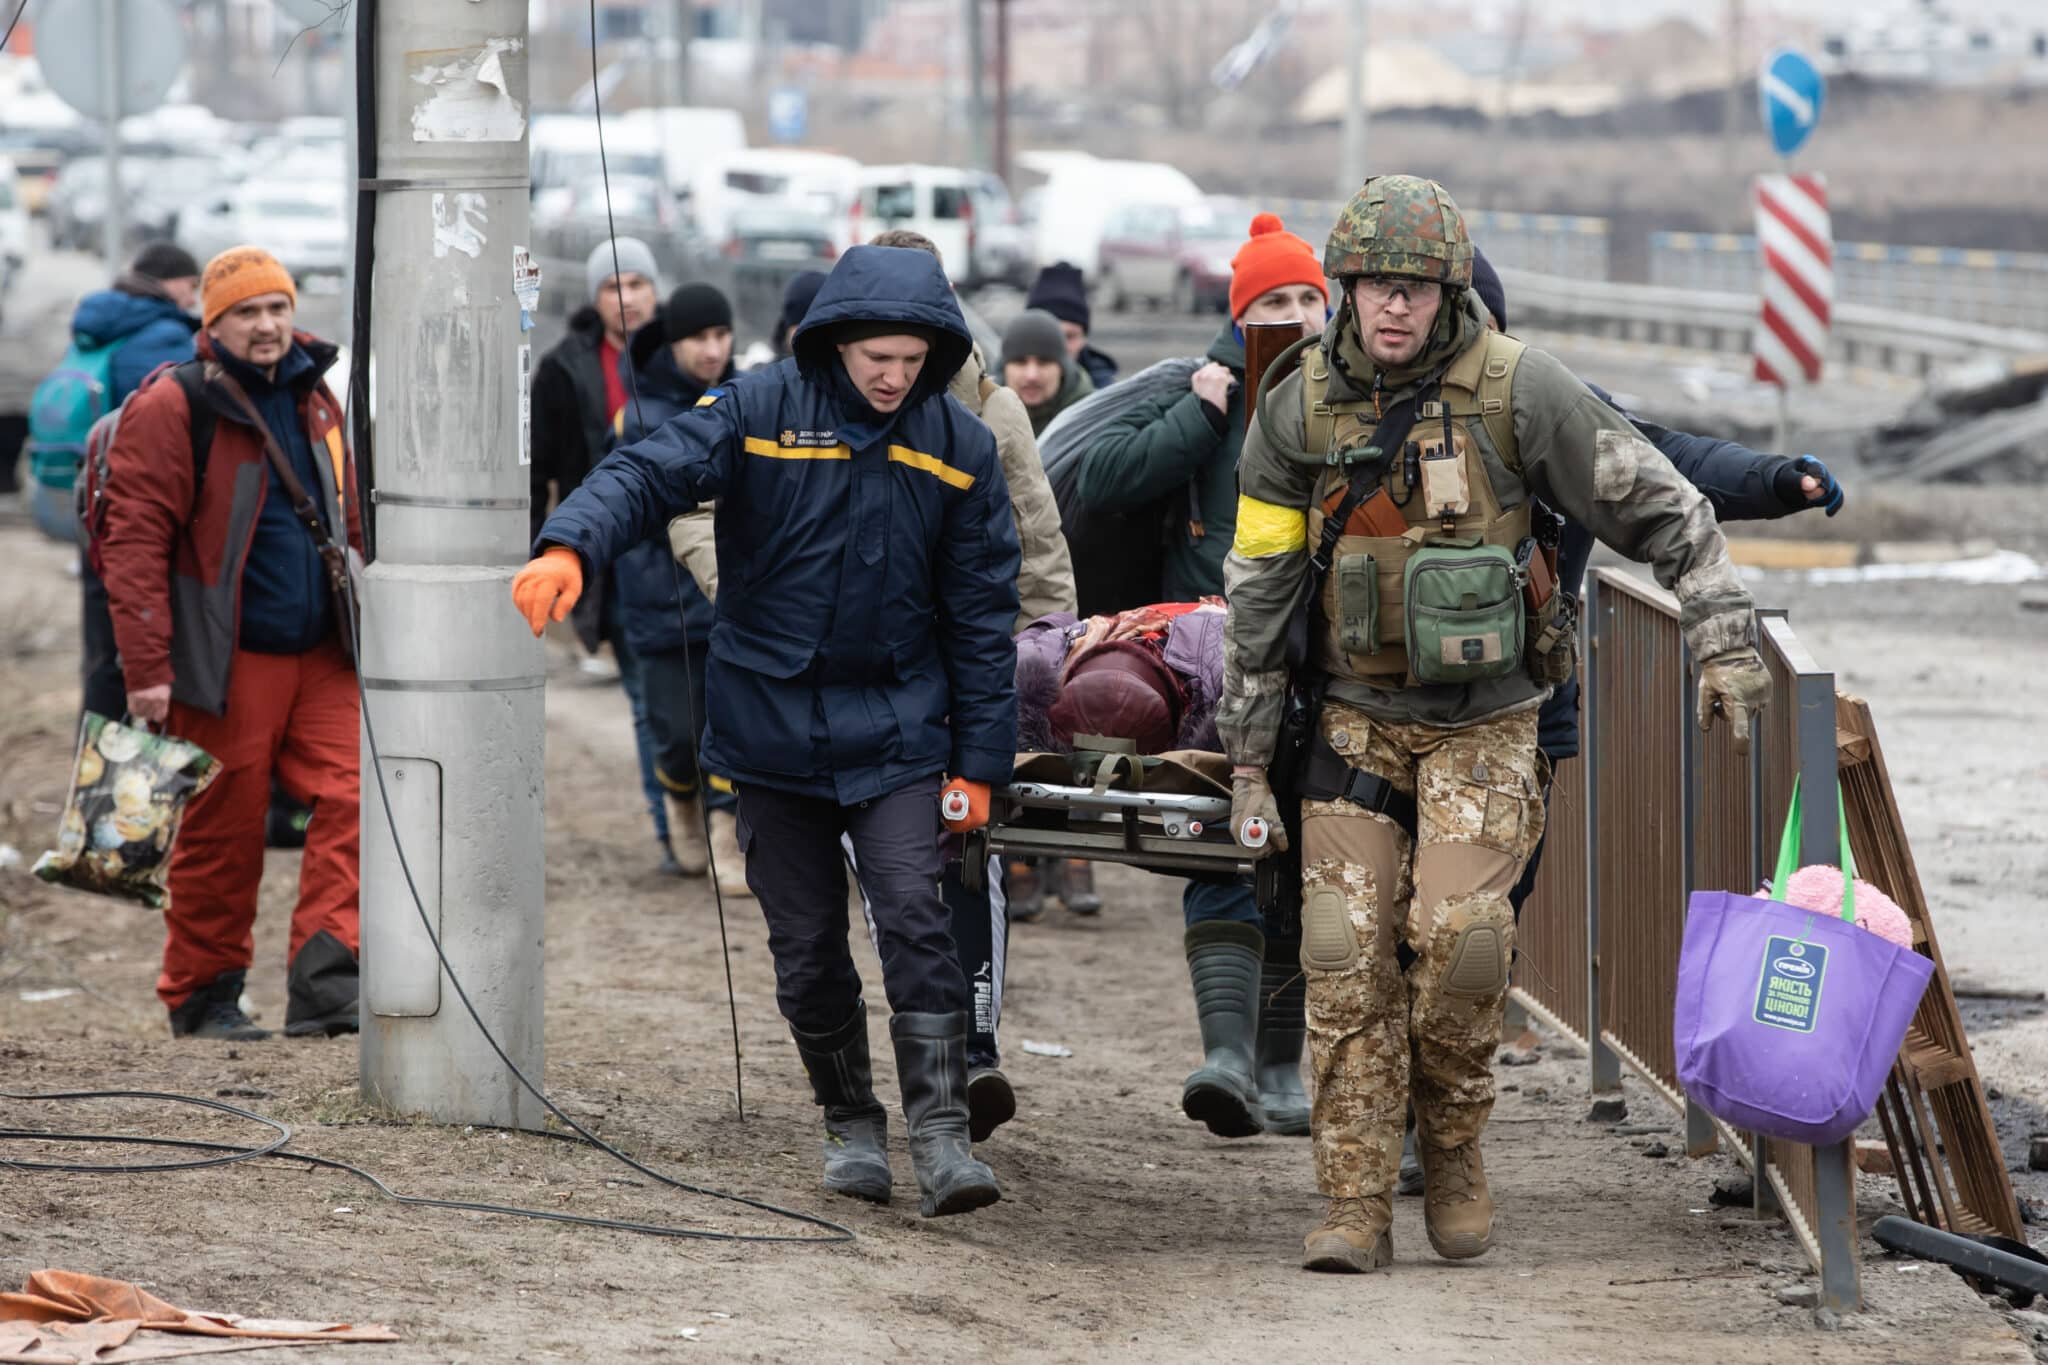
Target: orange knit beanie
1272,259
241,272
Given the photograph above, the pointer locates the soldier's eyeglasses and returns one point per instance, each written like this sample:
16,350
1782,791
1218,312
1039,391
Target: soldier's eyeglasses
1379,290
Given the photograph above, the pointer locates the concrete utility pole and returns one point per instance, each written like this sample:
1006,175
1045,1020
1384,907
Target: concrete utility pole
977,89
1002,167
113,226
454,679
1351,164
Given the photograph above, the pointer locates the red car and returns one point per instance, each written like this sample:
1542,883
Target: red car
1171,255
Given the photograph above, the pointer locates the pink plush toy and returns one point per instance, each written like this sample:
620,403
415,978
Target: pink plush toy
1819,888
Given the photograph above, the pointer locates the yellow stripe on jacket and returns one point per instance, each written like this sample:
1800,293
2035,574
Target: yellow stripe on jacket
760,445
933,465
1265,529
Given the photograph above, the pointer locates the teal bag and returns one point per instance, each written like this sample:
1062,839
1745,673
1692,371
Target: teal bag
63,408
1465,616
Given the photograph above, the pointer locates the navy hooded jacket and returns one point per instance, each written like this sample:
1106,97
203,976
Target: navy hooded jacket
152,331
1740,484
658,616
867,561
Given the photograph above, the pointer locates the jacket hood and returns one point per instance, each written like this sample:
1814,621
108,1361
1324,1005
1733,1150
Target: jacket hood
1228,348
649,364
108,315
885,284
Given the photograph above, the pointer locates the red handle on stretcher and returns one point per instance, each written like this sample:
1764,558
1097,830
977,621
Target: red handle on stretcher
1254,833
954,806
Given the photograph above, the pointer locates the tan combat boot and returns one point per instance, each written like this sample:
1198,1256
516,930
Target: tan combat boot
1457,1208
725,849
1356,1237
686,834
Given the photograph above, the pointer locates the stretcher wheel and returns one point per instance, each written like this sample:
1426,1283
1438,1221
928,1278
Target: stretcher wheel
974,862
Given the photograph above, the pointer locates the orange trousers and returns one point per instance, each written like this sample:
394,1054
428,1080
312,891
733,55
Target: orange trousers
296,717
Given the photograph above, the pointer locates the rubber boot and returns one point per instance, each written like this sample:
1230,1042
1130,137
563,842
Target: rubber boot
730,865
991,1102
1223,963
856,1125
1025,888
686,834
1457,1206
1355,1238
1409,1182
931,1066
1283,1028
215,1011
321,989
1077,887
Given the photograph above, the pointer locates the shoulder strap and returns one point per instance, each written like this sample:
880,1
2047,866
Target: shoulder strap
1487,372
303,506
1319,424
191,377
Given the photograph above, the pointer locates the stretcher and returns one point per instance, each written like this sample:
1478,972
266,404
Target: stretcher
1168,814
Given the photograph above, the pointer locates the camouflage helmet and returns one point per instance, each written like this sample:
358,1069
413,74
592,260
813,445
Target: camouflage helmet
1400,225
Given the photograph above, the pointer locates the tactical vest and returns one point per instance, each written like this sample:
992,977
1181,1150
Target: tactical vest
1473,494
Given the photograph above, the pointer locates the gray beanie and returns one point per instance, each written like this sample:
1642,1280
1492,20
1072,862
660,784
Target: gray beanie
1036,333
633,258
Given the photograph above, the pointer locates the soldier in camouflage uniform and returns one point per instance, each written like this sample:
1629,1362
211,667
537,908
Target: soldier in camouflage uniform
1429,703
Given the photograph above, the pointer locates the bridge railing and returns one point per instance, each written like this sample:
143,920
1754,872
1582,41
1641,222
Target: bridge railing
1651,811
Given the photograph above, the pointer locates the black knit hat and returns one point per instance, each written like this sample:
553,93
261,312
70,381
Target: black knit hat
1486,284
797,296
692,309
1060,291
1034,333
165,261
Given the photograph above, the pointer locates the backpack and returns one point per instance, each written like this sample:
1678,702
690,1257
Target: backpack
63,408
89,498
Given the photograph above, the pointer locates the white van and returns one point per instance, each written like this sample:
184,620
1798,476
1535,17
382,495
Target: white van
687,136
562,153
938,201
822,184
1080,193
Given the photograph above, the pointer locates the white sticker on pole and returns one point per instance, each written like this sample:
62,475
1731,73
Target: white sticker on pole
1795,236
525,286
525,402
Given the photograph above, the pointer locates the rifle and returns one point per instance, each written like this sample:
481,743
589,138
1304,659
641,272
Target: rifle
1263,344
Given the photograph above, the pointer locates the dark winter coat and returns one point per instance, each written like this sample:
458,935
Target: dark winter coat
1178,448
656,615
868,561
150,328
180,549
571,431
1740,484
1101,367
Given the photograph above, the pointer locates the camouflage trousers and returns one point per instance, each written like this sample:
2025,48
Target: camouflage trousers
1372,900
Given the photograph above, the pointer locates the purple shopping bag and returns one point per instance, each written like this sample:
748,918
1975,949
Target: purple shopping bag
1788,1021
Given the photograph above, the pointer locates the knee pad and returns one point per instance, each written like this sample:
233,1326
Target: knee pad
1478,939
1328,941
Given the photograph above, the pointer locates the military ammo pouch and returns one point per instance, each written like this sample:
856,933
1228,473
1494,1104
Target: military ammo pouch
1463,604
1554,642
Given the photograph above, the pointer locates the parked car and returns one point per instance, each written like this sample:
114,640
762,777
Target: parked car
14,227
77,203
35,170
823,183
172,184
1002,239
1171,255
300,217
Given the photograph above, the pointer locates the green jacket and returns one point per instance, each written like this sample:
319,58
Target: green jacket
1576,453
1158,450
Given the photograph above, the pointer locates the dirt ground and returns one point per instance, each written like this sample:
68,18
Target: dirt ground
1124,1228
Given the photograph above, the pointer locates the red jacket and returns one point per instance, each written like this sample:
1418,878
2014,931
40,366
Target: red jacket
173,551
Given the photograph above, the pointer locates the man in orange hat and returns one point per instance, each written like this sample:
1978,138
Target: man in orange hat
226,476
1183,449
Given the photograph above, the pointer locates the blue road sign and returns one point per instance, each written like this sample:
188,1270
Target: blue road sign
1792,92
788,113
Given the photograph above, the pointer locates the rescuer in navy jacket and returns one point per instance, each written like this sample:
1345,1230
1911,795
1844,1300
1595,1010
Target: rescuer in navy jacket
861,649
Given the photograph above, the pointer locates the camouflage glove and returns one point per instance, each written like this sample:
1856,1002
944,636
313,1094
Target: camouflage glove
1735,684
1251,798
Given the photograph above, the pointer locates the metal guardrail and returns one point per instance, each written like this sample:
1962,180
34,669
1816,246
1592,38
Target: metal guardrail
1907,344
1612,892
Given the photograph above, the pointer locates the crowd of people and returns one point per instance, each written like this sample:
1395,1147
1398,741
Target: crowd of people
812,576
